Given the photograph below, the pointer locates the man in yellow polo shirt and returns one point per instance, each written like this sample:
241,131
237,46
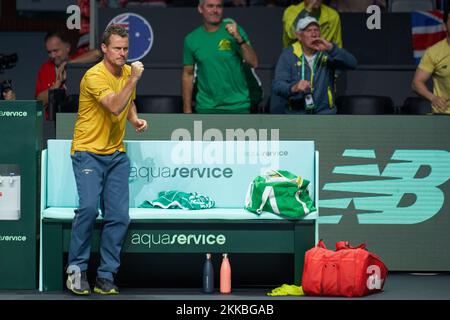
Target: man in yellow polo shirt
329,20
100,164
436,64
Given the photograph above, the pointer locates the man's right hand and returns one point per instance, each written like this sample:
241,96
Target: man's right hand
301,86
312,5
60,75
136,69
440,103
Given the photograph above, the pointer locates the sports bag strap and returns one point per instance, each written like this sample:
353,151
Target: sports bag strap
304,206
345,245
268,194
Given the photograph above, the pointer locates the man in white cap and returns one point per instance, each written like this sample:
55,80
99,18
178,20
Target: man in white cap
305,72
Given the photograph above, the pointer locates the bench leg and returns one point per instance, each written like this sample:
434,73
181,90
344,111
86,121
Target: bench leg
52,257
303,241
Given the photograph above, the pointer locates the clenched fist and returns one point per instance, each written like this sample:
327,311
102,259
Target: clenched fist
136,69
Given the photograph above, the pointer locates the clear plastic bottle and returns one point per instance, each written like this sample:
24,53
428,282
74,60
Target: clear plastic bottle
225,275
208,275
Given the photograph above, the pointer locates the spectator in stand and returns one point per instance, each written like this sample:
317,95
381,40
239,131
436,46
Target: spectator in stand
356,5
330,22
435,64
218,49
304,75
52,73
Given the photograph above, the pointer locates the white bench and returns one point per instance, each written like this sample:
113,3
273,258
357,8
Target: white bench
162,165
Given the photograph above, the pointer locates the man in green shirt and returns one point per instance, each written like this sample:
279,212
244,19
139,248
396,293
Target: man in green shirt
217,50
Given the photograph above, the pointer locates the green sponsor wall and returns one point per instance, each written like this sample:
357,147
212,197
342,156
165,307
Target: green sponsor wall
21,143
384,180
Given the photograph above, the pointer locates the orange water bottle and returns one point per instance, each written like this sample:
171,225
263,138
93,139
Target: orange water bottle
225,275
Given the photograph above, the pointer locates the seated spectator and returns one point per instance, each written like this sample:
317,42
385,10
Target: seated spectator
356,5
435,64
52,73
304,75
330,22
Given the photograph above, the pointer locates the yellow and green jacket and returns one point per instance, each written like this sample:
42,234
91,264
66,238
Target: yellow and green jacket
289,71
329,20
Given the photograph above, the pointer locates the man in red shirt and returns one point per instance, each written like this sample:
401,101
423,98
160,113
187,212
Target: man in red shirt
52,73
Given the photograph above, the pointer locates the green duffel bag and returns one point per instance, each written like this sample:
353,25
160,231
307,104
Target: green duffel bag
280,192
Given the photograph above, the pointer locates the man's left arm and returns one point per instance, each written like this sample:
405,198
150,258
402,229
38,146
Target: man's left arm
140,125
248,53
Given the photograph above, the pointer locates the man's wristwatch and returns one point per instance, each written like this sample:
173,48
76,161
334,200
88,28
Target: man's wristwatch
242,42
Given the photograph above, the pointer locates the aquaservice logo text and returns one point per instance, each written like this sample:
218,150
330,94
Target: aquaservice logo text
178,239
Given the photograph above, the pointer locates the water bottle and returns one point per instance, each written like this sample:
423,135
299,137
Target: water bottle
225,275
208,275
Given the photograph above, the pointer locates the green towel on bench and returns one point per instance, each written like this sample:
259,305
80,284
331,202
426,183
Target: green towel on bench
177,199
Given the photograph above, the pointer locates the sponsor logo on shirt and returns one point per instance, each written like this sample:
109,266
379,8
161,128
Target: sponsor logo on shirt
224,45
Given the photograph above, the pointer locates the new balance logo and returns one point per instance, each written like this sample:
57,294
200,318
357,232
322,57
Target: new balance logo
405,192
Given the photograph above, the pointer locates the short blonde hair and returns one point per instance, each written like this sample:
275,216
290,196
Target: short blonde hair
114,29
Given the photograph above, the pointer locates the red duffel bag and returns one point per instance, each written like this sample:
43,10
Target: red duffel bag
348,271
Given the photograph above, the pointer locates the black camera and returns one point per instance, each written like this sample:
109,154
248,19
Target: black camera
7,61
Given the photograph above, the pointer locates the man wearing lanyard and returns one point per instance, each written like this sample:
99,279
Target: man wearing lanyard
304,75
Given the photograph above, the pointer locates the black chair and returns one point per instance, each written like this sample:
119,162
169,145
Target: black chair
56,98
159,104
58,102
364,105
70,104
416,105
